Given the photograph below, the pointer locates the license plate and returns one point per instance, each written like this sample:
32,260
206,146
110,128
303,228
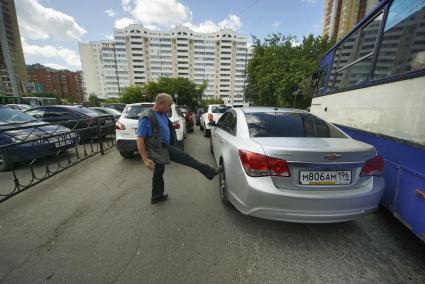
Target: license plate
325,177
63,143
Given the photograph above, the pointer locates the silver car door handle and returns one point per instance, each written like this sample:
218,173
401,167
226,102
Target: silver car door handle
220,140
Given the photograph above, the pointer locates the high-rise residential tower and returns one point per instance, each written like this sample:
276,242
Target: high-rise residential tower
138,55
340,16
13,74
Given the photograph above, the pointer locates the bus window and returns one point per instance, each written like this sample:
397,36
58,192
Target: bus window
403,43
356,55
35,102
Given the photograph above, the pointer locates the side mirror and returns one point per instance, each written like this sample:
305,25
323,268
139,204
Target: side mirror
212,123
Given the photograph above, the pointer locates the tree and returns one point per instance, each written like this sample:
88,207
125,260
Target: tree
204,103
135,94
188,93
279,71
94,100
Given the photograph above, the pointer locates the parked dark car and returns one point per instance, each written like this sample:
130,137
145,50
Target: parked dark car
87,121
20,107
108,111
44,139
199,112
117,106
188,117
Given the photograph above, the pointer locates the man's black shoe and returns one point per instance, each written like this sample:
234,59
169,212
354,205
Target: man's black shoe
159,199
216,172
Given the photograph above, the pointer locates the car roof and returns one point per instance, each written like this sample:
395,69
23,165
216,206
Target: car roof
270,109
140,104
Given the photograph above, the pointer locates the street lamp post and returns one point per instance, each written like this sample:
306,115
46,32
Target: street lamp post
176,96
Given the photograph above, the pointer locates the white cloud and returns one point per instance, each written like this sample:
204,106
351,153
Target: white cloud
39,22
69,56
295,42
276,25
310,1
231,22
55,66
166,14
110,12
123,22
161,13
110,37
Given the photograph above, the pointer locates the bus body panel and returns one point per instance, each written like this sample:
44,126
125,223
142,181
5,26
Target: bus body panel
380,99
404,174
395,109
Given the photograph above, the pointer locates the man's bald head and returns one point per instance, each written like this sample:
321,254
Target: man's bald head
163,102
162,98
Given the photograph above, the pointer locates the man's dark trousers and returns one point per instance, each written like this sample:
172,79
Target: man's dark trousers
180,157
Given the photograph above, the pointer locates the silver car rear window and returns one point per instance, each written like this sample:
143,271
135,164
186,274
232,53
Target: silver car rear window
285,124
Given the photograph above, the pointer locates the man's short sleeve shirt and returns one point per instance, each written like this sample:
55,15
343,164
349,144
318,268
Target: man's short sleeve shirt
144,128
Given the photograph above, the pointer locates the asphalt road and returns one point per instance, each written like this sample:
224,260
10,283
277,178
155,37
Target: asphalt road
94,223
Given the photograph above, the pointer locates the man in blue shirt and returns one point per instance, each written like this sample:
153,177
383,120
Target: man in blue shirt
156,140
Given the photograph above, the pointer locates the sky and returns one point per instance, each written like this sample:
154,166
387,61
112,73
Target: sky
51,29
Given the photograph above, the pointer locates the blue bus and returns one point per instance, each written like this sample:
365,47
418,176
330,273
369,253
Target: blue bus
372,85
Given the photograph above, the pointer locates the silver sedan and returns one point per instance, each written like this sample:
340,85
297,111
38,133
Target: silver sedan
289,165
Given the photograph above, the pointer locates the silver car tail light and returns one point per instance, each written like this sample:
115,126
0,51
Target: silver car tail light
373,167
258,165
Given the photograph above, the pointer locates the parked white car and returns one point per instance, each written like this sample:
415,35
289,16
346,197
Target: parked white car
213,113
126,126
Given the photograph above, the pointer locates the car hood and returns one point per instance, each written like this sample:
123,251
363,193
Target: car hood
32,130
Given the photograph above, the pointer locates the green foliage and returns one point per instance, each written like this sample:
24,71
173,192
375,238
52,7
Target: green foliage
280,66
188,93
94,100
135,94
204,103
112,101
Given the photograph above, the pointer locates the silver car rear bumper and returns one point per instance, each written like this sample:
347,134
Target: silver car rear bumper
262,199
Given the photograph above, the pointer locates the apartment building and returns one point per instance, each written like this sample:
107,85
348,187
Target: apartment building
63,83
12,63
138,55
340,16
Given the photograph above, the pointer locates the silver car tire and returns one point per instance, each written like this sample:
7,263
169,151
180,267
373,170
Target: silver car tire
224,197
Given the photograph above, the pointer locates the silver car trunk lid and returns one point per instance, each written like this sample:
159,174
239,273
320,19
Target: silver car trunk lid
318,155
317,150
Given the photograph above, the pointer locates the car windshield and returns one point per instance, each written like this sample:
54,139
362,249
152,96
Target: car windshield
286,124
12,116
134,112
219,109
